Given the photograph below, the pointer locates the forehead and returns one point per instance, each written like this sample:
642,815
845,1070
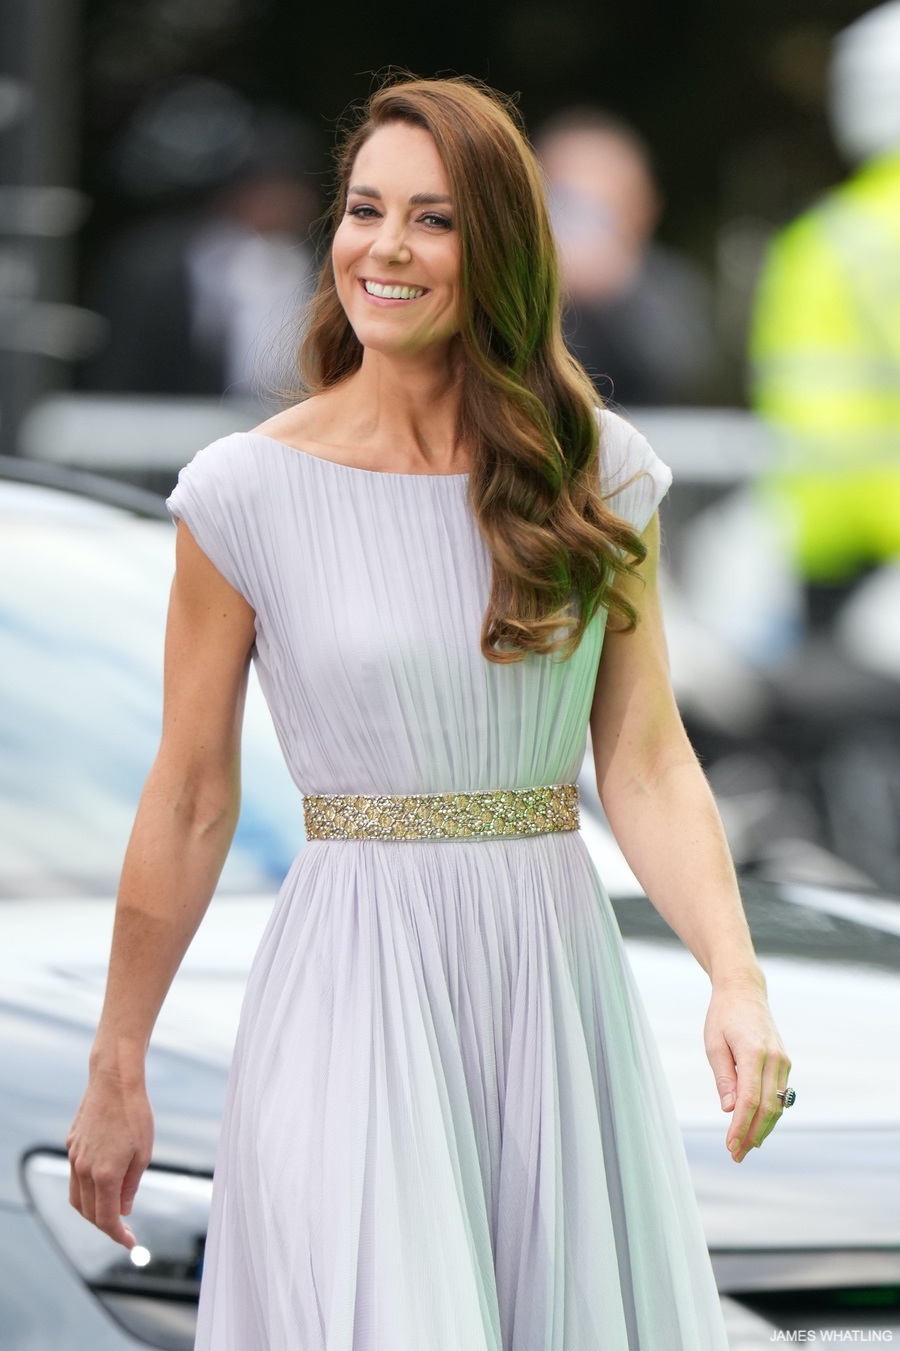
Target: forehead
400,158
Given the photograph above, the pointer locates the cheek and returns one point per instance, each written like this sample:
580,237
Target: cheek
342,252
449,269
454,273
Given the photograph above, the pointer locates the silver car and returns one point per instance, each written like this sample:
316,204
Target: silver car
804,1234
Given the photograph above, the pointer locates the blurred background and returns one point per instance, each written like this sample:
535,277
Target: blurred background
724,187
724,182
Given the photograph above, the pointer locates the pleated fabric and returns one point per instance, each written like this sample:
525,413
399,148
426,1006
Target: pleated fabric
447,1126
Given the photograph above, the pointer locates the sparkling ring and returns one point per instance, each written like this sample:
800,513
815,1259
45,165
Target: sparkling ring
787,1096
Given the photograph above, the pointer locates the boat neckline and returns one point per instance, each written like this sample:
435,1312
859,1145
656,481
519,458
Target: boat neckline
351,468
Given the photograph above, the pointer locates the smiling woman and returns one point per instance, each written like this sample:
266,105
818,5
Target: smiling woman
447,1123
439,192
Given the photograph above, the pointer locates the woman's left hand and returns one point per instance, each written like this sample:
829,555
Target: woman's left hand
748,1060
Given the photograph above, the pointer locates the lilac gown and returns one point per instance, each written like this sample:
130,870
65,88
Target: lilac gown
447,1126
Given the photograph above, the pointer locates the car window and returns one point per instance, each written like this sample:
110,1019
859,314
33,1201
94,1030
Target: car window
84,590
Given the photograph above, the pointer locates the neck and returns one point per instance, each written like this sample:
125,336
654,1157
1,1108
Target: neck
407,403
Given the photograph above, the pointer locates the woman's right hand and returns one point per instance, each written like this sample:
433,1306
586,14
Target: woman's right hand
110,1143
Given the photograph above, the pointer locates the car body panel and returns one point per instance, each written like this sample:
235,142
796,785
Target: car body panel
43,1303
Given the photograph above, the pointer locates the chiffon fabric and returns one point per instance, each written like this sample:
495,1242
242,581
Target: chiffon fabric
447,1126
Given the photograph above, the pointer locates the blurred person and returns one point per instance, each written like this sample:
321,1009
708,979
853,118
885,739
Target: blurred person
197,296
638,313
825,337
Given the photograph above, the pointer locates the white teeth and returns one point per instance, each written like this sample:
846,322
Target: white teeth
375,288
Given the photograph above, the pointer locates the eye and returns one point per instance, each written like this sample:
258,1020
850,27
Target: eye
357,210
441,221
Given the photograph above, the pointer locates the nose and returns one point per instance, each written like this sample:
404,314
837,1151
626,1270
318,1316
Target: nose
389,244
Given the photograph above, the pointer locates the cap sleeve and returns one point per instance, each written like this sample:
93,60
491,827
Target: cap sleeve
633,479
214,498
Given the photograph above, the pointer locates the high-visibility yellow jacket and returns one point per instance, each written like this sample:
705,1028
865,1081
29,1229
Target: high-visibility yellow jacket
825,358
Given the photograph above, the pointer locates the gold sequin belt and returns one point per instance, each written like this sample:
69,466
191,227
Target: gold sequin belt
441,816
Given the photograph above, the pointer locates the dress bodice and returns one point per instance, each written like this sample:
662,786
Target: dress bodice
369,590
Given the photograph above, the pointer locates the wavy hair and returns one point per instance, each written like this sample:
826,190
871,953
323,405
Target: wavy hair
527,406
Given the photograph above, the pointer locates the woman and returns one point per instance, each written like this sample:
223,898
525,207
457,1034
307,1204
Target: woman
447,1127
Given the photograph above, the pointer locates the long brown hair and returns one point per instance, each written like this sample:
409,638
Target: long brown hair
527,406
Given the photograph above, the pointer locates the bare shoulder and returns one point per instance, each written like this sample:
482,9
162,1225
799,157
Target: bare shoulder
305,422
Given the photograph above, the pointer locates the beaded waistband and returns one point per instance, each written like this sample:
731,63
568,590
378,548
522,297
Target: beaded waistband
439,816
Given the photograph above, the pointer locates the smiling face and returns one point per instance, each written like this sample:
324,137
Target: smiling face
396,253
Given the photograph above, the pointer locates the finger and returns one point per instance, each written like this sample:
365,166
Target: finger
781,1079
130,1184
749,1092
108,1189
776,1068
86,1188
769,1108
784,1074
71,1151
768,1129
74,1188
722,1063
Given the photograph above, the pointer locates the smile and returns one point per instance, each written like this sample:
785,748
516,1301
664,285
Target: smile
388,292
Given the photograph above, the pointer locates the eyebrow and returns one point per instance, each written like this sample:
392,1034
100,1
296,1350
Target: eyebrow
417,199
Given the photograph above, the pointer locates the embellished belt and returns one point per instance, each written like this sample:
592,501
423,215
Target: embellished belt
439,816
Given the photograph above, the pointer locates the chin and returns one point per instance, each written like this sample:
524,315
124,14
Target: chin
389,340
374,339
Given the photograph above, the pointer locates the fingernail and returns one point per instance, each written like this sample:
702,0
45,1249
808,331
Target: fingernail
728,1100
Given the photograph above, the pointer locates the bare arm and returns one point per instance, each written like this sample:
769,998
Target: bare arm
664,816
183,829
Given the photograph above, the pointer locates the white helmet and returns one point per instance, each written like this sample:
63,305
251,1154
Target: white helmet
864,84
